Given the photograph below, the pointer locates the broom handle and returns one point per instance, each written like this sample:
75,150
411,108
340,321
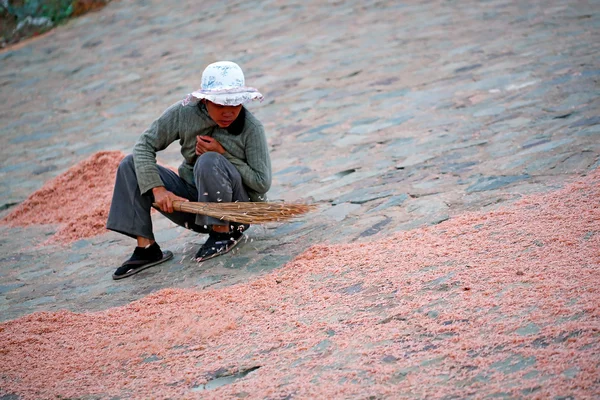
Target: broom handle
176,205
179,205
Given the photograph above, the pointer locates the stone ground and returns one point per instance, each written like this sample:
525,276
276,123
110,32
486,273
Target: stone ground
390,116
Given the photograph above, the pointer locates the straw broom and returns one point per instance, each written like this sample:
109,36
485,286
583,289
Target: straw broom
245,212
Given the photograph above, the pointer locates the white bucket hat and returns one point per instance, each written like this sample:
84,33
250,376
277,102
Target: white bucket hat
223,83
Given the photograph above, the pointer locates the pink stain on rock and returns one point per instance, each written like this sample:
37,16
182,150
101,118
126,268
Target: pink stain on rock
485,303
78,200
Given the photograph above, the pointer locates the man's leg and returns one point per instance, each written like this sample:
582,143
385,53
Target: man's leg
130,215
217,180
129,210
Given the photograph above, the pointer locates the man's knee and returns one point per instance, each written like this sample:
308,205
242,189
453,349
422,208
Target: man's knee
127,162
126,171
206,162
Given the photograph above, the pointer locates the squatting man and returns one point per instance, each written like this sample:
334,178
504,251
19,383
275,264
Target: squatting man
225,159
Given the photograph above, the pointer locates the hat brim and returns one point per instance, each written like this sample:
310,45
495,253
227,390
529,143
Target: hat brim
229,98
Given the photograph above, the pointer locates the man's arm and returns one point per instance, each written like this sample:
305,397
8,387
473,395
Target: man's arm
162,132
256,169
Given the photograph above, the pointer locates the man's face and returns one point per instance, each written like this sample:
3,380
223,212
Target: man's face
222,115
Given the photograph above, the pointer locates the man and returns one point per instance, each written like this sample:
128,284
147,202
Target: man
226,159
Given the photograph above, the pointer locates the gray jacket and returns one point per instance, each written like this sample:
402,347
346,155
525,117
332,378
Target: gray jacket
246,149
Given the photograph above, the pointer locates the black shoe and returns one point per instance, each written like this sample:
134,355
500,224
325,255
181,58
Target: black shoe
219,243
141,259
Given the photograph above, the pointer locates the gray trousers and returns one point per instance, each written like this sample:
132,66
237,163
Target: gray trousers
216,180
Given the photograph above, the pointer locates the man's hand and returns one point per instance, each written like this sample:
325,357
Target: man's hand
164,199
206,143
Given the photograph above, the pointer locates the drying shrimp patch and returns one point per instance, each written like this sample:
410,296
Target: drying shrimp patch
77,201
498,304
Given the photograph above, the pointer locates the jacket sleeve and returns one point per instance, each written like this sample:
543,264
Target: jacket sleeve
256,169
162,132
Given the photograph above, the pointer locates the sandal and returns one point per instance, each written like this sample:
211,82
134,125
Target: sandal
141,259
218,244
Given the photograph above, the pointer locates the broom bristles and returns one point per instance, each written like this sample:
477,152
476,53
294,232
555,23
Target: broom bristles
246,212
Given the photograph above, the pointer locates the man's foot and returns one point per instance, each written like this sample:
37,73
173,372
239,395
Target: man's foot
218,244
141,259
